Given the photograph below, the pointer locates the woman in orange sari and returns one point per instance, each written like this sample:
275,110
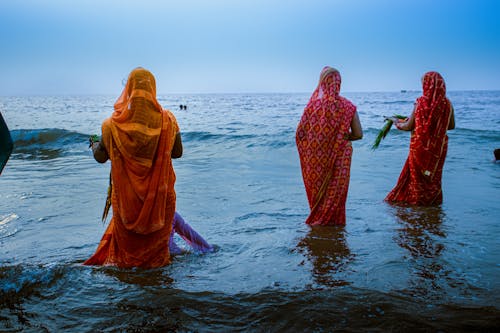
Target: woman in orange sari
324,134
420,179
140,139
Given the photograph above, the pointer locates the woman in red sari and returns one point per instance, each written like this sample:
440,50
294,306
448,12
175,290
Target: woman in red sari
420,179
324,134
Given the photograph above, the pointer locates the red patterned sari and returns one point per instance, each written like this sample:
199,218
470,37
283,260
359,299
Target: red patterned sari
420,179
324,150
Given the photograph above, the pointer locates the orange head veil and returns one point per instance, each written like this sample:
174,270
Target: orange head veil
137,120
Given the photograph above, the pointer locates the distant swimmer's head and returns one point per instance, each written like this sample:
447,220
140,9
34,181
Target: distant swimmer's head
497,154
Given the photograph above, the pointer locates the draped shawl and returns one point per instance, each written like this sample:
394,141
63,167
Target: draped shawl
139,138
324,150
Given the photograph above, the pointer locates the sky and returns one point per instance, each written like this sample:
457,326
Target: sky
80,47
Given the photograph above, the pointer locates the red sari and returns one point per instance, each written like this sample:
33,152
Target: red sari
420,179
325,151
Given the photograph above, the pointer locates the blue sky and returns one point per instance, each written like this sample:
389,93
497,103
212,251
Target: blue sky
200,46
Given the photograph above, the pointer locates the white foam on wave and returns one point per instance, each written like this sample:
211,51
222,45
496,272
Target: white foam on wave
4,219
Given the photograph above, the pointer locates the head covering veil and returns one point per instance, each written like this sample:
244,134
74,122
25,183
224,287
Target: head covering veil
137,120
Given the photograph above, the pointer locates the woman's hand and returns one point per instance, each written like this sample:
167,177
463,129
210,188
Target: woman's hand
356,130
393,119
100,153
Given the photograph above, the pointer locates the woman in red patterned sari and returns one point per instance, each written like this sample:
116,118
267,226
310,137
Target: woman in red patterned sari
420,179
323,137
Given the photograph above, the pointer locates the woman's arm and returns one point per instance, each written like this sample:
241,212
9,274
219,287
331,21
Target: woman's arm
100,153
356,130
408,124
451,125
177,148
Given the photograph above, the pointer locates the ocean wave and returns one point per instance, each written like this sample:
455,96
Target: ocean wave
388,102
47,143
32,298
21,282
208,136
276,140
492,134
272,216
52,137
6,229
489,134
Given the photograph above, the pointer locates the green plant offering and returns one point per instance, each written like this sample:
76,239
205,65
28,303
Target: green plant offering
385,129
93,138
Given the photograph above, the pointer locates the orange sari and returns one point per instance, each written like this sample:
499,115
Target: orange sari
139,138
420,179
324,150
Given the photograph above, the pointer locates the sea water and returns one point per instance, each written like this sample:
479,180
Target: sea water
239,185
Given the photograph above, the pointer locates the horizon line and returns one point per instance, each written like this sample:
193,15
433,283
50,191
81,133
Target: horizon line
402,91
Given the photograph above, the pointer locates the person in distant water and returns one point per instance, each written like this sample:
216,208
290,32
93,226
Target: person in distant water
324,134
496,152
420,180
140,139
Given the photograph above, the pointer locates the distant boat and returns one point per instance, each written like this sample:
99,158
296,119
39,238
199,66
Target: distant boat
403,90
